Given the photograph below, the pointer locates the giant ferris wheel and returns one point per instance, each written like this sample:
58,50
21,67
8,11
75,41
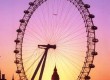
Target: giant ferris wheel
57,33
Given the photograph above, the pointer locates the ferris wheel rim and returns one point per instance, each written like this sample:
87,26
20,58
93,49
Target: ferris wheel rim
87,17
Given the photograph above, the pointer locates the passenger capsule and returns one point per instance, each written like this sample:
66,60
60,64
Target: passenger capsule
87,6
31,3
91,16
26,11
91,65
18,71
94,28
16,61
95,40
94,53
87,77
19,30
17,41
22,20
16,51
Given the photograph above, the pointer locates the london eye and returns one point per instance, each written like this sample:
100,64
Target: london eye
57,33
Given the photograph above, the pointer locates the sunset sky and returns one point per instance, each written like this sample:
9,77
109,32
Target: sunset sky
11,11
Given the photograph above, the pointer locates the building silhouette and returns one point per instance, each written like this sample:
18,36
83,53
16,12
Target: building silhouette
55,75
2,76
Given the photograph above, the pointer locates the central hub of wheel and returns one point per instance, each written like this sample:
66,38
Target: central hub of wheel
47,46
